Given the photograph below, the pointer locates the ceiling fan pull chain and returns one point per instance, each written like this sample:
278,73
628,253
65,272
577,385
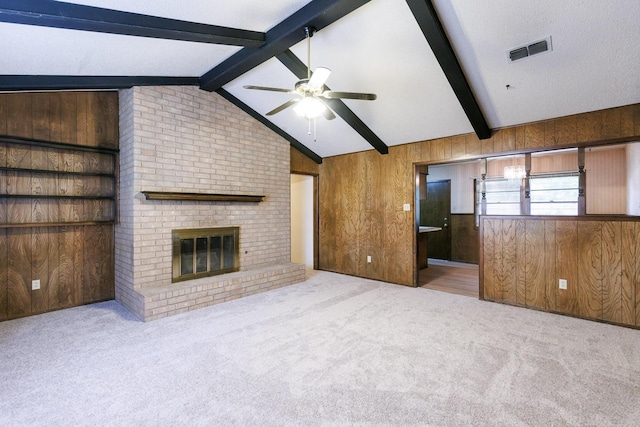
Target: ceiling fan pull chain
309,122
315,130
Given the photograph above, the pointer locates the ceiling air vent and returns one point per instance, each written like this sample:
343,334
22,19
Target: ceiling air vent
534,48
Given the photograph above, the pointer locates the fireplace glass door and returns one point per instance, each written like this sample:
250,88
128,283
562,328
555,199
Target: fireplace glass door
204,252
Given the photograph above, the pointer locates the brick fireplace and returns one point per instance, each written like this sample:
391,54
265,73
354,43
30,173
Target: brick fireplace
185,140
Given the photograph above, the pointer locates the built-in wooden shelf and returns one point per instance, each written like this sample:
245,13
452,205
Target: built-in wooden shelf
55,172
201,197
36,186
56,224
54,196
60,145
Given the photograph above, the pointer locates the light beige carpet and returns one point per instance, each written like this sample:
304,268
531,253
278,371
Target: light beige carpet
334,350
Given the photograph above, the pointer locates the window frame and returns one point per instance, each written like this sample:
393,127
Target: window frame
524,190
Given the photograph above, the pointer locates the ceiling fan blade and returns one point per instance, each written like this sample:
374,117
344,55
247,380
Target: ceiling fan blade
327,113
349,95
283,106
319,77
271,89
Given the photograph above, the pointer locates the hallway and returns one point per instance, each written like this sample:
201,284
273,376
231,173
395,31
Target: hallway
452,277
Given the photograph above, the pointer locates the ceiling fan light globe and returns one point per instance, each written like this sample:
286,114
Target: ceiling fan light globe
309,108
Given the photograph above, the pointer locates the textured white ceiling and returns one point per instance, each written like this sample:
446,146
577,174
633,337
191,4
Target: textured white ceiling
244,14
594,63
378,48
29,49
412,89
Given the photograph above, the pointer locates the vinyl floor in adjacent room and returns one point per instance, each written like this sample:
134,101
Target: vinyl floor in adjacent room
452,277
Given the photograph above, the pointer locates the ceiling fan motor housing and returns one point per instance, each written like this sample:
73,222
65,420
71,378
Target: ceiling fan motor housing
304,88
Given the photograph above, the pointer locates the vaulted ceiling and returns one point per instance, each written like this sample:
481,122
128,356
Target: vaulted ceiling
438,67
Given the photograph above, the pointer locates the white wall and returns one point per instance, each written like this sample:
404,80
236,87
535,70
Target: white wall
633,179
302,219
461,176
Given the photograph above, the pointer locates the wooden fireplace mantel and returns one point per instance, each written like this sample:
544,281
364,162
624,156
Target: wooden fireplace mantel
201,197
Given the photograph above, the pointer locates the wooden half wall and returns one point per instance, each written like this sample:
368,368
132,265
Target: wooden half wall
523,259
58,164
362,194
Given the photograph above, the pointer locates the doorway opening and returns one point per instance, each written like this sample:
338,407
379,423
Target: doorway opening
304,220
450,276
447,245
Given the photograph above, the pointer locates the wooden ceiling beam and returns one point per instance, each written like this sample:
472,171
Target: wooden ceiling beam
54,14
432,28
317,14
52,82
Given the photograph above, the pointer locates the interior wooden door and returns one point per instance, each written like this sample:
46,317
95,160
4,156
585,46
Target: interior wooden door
435,211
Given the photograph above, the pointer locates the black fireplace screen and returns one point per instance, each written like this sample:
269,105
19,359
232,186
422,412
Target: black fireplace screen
204,252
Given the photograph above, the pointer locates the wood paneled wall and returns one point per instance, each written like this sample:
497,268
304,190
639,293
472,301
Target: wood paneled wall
301,164
553,161
74,263
361,214
74,266
523,259
361,194
464,238
606,185
496,165
82,118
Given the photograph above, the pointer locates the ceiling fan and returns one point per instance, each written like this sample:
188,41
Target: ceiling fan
312,91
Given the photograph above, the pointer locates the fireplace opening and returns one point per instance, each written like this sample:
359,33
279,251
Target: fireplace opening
202,252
